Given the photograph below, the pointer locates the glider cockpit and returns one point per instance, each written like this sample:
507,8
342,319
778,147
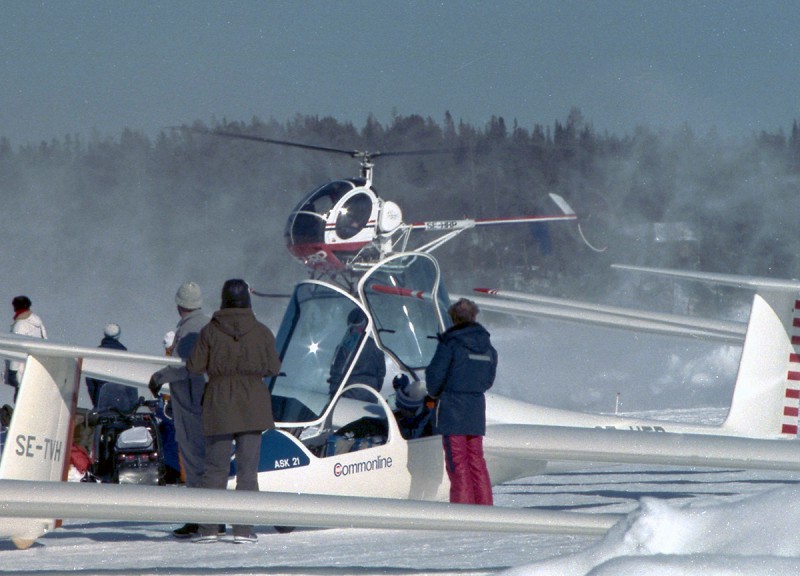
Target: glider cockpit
329,335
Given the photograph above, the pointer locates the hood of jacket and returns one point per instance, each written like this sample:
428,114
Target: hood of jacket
28,323
234,322
472,336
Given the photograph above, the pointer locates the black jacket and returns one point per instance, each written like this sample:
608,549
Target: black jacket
462,369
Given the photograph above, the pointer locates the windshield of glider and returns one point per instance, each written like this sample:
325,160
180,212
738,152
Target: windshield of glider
407,315
307,340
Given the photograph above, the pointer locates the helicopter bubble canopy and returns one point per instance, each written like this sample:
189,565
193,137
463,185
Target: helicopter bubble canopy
329,227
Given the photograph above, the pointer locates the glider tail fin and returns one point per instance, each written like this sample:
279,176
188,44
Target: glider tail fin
766,397
39,437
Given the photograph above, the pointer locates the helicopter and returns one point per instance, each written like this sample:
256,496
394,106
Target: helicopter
316,449
343,227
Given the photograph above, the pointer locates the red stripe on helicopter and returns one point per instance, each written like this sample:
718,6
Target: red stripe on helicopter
789,429
492,291
791,411
793,375
792,393
794,358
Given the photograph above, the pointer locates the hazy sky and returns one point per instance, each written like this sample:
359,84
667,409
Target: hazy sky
88,67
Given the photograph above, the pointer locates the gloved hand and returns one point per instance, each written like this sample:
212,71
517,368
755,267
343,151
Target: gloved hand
430,402
155,385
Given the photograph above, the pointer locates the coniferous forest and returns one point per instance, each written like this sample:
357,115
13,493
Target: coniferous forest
128,207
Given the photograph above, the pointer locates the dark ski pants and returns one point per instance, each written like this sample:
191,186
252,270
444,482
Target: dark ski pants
466,468
187,411
218,465
12,380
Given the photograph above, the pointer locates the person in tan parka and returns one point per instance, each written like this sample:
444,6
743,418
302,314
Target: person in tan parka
237,352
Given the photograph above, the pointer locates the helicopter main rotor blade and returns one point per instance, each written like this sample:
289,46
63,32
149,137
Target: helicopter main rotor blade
351,153
423,152
362,154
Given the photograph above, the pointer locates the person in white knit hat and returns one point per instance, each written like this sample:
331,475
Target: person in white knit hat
111,334
414,418
186,391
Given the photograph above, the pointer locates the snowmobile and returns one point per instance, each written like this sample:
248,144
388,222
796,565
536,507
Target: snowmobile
127,446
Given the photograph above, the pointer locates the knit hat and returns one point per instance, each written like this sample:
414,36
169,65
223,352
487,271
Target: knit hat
235,294
189,296
408,395
112,331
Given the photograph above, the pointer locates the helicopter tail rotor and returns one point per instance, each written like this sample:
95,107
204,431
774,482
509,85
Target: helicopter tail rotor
567,210
585,241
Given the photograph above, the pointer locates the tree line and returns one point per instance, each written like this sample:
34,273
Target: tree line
656,198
